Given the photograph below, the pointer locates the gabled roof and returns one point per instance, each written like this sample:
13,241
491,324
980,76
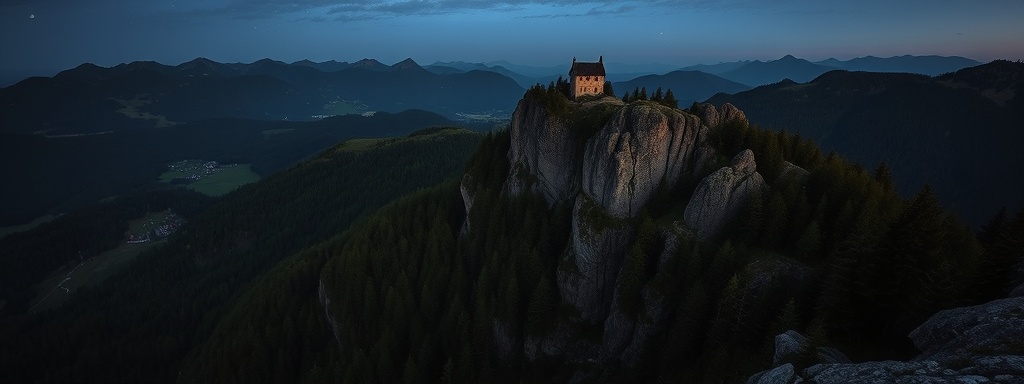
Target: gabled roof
587,69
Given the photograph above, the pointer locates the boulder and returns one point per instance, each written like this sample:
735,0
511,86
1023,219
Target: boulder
976,344
884,372
641,147
783,374
721,195
713,117
789,344
960,334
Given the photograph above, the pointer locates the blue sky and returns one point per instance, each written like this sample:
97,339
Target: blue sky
60,34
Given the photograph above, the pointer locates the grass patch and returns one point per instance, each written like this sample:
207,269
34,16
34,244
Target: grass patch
4,231
225,180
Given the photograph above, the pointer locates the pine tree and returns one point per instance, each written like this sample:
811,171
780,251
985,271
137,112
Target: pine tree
670,100
643,93
658,94
608,89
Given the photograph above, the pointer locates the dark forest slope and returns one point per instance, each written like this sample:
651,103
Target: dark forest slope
959,132
139,324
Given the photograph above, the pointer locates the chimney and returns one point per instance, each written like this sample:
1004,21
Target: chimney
600,59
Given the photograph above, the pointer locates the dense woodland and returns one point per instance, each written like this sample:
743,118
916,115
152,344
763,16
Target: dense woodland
139,324
268,285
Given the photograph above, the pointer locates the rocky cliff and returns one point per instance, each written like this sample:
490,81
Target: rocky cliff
641,147
722,195
543,156
610,173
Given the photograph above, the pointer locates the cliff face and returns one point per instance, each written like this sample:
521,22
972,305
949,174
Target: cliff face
609,177
641,147
543,153
722,195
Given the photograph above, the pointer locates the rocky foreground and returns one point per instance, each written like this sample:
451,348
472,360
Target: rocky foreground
978,344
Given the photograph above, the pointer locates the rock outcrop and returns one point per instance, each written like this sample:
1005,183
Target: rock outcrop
791,172
467,201
969,333
713,117
977,344
627,336
609,177
641,147
596,253
543,156
722,195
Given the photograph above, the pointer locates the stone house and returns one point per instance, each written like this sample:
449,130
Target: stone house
586,79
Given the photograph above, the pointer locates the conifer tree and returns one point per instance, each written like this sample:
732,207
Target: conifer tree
670,99
608,89
658,94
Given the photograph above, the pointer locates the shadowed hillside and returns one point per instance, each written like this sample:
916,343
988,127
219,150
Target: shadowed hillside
958,132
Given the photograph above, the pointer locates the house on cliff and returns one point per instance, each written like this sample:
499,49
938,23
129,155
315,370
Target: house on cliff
586,79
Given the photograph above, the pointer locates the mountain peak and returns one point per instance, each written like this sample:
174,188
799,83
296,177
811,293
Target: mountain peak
370,64
408,63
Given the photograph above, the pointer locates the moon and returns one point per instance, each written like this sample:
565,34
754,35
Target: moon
32,16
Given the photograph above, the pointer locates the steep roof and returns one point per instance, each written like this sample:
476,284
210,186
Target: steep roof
587,69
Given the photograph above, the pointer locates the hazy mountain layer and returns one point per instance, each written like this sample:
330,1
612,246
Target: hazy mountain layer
90,99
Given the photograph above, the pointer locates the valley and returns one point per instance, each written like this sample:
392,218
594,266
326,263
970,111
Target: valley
209,177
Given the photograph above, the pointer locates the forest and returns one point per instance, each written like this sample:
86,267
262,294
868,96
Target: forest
139,324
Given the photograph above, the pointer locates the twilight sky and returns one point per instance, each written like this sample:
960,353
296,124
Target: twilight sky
60,34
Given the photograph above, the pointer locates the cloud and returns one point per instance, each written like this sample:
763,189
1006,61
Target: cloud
596,11
369,9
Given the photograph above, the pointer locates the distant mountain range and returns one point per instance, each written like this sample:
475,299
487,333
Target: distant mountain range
959,132
686,86
143,94
90,98
755,73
